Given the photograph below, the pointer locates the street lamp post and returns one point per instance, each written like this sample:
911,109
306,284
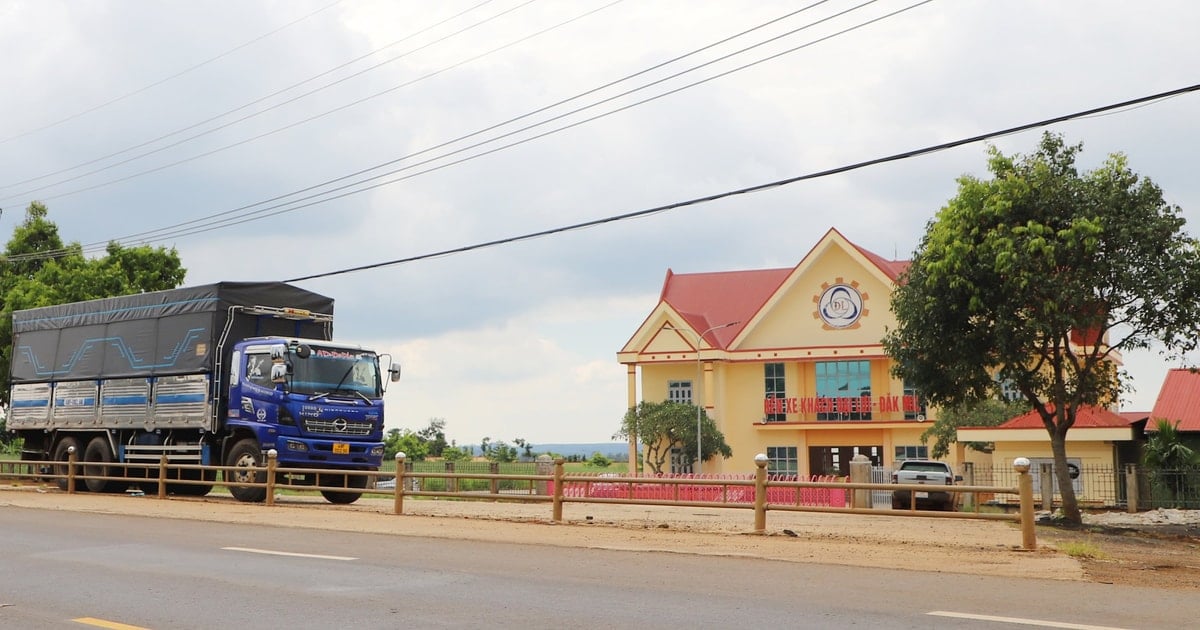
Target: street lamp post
700,377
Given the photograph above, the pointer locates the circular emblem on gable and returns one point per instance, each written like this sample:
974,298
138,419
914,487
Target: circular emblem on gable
840,305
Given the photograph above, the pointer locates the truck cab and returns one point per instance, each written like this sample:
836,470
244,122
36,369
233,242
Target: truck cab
319,404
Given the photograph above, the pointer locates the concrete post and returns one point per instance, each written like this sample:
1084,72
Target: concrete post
760,493
1131,488
1025,491
272,464
494,484
71,457
860,472
398,496
545,466
451,483
1046,474
162,476
558,489
969,480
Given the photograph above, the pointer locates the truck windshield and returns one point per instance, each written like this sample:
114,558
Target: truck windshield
336,371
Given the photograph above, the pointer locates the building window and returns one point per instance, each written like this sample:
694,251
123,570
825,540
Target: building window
911,452
774,388
1009,391
913,404
843,390
782,460
679,392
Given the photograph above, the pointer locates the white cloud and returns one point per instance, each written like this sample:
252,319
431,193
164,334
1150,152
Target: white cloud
520,340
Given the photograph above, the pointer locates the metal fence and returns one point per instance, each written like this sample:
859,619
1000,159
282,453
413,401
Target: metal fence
1099,486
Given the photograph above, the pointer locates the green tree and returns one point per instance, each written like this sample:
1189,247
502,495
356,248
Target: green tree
456,453
598,460
1171,462
662,426
984,413
37,269
404,441
434,436
500,451
1021,278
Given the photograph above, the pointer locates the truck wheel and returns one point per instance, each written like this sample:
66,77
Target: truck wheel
96,458
61,455
247,458
350,481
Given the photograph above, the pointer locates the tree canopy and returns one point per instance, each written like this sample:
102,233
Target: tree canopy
662,426
38,269
1037,277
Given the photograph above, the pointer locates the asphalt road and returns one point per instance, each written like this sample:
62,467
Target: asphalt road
74,570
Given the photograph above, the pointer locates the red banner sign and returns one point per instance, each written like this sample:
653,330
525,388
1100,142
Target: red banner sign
844,404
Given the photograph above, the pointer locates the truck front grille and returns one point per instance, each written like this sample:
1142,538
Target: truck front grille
338,426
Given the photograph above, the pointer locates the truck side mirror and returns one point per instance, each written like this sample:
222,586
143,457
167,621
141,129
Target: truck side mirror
302,351
279,372
394,372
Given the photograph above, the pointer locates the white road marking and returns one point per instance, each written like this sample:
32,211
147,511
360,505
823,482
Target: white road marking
288,553
1027,622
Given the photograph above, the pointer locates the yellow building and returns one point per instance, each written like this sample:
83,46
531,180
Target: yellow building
788,362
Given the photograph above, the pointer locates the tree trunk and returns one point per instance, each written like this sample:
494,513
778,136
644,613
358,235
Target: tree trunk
1062,473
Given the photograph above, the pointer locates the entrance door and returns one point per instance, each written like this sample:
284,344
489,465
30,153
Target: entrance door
835,460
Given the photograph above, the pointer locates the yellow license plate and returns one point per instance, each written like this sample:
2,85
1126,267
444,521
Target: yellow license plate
341,448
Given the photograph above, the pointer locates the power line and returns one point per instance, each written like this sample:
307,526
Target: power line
755,189
250,104
243,119
118,99
273,210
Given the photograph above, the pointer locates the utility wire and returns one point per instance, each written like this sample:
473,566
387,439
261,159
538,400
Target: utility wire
251,103
118,99
266,212
316,198
753,189
245,118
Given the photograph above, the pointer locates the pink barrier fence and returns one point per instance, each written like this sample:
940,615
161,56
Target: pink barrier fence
601,488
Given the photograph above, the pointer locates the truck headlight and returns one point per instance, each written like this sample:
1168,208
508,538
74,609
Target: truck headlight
377,451
293,445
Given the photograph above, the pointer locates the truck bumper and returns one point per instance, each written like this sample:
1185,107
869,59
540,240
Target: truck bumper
309,453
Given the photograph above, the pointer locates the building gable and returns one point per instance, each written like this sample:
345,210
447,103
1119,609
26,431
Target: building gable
837,296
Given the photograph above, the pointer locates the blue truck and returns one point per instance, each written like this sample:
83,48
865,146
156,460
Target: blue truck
216,374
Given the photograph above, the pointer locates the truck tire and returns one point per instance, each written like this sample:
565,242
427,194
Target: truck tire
190,489
247,457
61,455
350,481
97,458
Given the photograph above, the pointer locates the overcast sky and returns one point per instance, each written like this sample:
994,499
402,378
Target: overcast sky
135,116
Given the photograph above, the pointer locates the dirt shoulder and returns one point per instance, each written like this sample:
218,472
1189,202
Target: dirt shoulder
924,544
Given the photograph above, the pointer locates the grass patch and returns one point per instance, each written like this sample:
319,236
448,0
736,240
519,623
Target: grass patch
1082,549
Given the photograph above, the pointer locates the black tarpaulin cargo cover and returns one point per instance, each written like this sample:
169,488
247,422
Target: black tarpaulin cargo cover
151,334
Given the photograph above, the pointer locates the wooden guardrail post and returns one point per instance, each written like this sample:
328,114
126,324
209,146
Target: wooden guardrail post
558,489
760,493
71,456
1025,491
162,476
494,484
272,464
400,481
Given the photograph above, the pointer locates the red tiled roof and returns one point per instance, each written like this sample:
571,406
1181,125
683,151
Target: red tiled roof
1086,417
711,299
893,268
1178,400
